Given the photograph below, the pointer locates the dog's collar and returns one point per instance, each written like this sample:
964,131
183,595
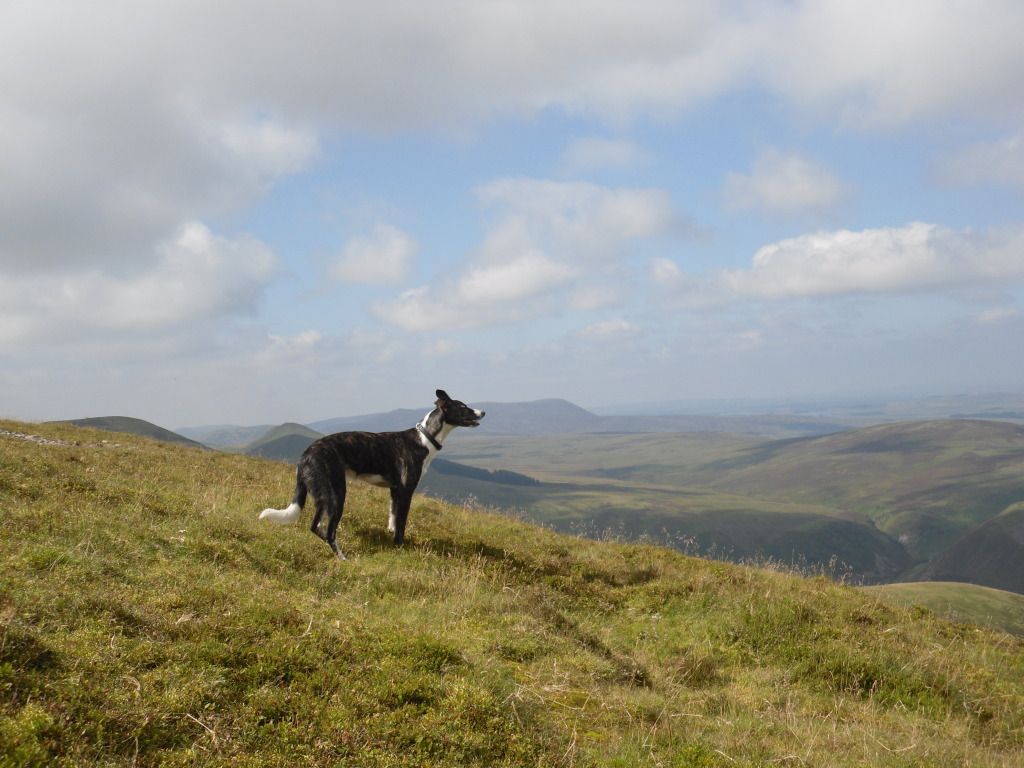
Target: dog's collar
430,437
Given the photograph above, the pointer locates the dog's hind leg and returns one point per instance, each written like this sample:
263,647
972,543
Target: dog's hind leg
328,489
334,516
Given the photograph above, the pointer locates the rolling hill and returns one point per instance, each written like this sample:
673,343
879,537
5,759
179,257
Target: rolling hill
224,436
991,554
554,416
913,486
962,602
148,618
924,483
285,442
132,426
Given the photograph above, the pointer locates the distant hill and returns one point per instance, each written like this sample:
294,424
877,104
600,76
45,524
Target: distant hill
538,416
224,435
284,443
392,421
500,476
133,426
554,416
962,602
925,483
991,554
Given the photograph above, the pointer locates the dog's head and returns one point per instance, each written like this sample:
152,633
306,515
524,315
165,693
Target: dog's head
457,413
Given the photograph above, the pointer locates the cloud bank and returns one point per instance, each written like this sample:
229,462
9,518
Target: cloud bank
915,258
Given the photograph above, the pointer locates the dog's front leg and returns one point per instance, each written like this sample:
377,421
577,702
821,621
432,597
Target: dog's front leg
391,515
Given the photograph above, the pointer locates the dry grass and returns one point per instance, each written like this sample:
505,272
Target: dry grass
147,618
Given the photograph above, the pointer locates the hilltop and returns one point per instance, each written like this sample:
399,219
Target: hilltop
284,443
132,426
147,618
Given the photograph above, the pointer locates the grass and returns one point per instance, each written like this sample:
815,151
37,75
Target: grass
147,618
963,602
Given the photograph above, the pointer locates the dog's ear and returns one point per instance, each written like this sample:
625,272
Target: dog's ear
442,397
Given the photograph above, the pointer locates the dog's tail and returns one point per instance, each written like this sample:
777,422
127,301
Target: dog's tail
290,513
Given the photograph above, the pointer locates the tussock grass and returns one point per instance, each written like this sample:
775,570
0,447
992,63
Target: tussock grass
147,618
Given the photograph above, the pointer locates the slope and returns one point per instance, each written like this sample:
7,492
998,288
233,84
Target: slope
132,426
147,618
995,608
991,554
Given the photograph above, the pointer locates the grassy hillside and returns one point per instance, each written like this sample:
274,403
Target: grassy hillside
132,426
992,554
147,618
926,483
962,602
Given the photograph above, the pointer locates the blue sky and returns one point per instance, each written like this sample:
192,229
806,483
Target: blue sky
256,213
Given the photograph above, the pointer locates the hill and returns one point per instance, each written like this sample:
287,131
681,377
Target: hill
538,416
923,483
147,618
962,602
991,554
131,426
284,443
554,416
224,436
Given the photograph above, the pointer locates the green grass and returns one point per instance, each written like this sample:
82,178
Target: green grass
147,618
962,602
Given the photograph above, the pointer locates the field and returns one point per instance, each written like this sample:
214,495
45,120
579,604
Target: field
147,618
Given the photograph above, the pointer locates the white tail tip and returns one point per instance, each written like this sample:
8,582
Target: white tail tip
282,516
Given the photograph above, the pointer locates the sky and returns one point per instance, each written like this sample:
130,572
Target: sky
256,212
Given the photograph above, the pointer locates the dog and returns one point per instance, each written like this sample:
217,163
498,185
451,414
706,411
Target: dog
395,460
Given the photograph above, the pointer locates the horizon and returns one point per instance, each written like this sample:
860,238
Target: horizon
225,216
904,406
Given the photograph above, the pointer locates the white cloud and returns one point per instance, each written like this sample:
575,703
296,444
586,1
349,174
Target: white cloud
125,121
784,183
384,257
605,330
880,64
665,271
596,153
916,258
999,162
525,275
198,276
546,249
997,316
